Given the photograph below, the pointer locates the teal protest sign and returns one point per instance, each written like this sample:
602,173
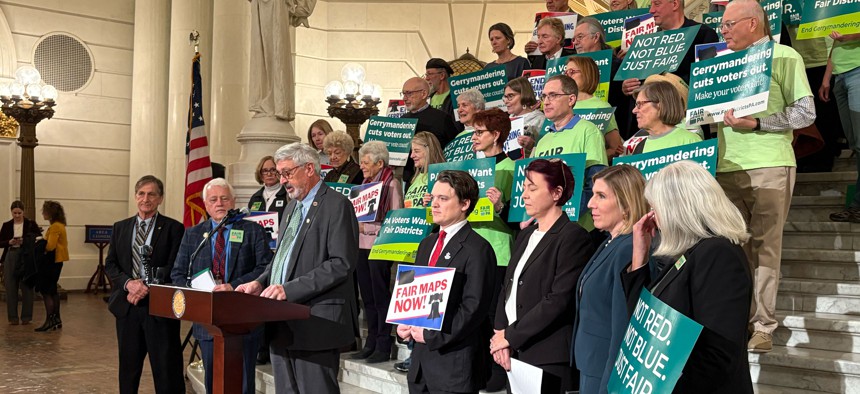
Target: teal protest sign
599,116
397,135
401,232
655,348
791,12
489,81
342,188
603,59
576,162
460,148
738,80
656,53
484,172
703,153
556,66
613,23
820,17
713,20
773,12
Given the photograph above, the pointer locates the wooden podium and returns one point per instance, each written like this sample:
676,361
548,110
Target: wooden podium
227,315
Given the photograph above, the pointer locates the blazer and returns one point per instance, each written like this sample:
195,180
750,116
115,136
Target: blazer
545,293
320,275
539,61
714,288
7,232
601,309
280,196
246,261
455,358
165,244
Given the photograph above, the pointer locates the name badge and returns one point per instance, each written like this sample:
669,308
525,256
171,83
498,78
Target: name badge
343,178
680,262
279,203
237,235
256,206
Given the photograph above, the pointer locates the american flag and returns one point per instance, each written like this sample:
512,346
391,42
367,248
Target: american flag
198,168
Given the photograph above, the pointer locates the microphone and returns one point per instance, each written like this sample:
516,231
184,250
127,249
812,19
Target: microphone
145,258
235,215
232,216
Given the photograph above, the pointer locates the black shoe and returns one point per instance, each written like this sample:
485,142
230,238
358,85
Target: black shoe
262,358
57,322
363,354
378,357
402,366
49,324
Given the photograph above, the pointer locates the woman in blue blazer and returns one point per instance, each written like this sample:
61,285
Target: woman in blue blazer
617,204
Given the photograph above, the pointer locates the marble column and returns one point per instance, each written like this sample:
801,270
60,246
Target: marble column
185,16
231,22
148,140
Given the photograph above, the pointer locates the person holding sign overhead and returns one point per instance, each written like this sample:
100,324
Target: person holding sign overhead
452,360
601,306
339,146
521,101
659,108
710,279
550,33
374,277
584,71
756,159
237,254
533,319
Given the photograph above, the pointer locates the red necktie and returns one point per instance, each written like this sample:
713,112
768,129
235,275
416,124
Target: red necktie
218,260
436,252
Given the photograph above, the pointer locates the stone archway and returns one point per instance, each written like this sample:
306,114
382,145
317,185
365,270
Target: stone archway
8,58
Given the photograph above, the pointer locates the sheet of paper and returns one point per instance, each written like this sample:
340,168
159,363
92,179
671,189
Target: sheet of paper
524,378
203,280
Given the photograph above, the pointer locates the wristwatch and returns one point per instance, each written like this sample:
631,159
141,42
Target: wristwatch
757,124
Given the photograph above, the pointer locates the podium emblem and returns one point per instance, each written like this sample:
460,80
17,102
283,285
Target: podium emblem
178,303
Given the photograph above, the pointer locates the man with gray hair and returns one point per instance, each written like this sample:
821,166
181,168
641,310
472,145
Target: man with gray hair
238,254
756,165
314,265
415,93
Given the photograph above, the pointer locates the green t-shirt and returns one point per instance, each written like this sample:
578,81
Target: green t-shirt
595,102
584,137
814,51
438,98
846,56
677,137
414,197
497,232
747,149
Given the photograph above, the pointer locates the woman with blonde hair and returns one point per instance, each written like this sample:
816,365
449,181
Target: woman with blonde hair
601,318
425,151
710,279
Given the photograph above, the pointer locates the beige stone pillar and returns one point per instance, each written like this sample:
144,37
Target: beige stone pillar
148,140
185,16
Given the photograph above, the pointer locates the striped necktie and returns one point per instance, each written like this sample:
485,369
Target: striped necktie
139,240
278,274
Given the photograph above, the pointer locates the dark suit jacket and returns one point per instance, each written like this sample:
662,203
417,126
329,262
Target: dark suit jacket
165,243
246,261
455,358
437,122
539,61
714,288
281,196
545,293
7,232
601,309
320,275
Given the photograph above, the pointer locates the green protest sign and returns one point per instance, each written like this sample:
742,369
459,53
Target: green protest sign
655,348
738,80
613,23
604,65
401,232
773,12
489,81
703,153
820,17
397,135
342,188
599,116
656,53
460,148
484,172
791,11
713,20
576,162
556,66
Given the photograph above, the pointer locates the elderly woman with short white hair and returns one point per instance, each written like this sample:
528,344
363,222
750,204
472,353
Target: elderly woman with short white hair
374,276
469,103
339,145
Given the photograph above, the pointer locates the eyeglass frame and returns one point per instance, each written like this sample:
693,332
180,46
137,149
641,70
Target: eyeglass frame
264,171
289,173
553,96
730,25
411,92
640,104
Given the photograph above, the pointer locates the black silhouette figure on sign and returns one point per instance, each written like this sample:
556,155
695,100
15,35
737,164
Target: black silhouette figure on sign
435,300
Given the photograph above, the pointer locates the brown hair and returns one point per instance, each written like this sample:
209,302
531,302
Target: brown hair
149,179
465,187
55,211
258,174
670,105
17,204
522,86
321,124
556,25
494,119
628,184
590,73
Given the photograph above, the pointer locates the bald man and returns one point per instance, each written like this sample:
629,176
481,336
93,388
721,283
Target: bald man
756,165
415,93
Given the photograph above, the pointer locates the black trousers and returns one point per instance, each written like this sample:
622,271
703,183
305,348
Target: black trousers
139,334
374,277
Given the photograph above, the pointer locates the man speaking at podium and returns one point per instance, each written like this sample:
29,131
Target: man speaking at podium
238,254
313,266
137,332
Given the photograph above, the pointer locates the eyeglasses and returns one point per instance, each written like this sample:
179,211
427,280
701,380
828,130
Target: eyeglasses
410,92
431,74
553,96
580,37
571,72
639,104
288,173
510,96
479,132
729,25
267,171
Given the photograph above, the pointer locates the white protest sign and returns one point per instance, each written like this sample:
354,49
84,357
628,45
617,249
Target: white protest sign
420,296
641,24
365,200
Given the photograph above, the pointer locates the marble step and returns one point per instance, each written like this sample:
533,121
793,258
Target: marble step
821,227
814,208
806,302
816,286
816,255
823,331
807,369
813,184
377,378
820,270
822,240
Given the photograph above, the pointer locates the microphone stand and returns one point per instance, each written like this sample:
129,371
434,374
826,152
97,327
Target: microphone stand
227,219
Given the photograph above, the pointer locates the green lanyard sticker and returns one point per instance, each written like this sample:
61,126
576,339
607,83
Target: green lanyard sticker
237,235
